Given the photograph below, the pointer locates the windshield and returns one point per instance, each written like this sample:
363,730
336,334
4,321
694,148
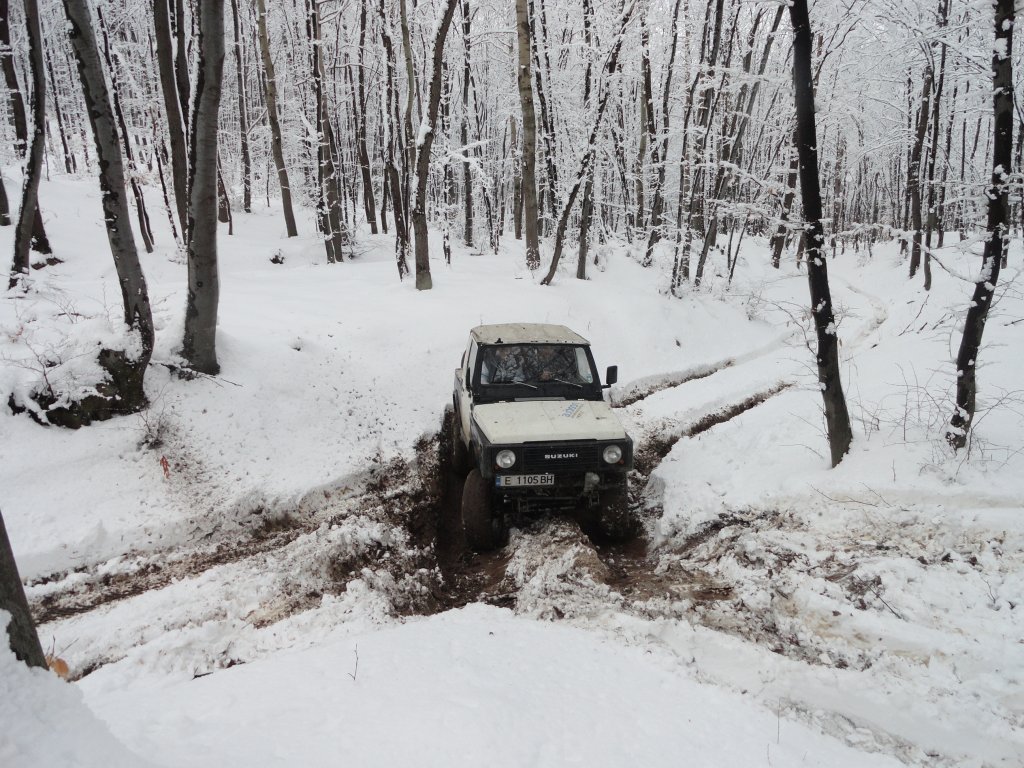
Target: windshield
536,365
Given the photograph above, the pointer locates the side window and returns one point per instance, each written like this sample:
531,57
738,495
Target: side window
471,364
583,366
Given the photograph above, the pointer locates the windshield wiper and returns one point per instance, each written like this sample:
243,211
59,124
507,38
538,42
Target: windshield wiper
570,383
511,384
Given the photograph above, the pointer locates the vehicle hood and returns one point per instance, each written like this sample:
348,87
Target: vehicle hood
545,420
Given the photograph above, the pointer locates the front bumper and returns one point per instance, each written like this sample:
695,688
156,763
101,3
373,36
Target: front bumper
568,461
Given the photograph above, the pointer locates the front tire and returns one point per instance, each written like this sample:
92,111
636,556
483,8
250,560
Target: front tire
482,524
614,522
460,453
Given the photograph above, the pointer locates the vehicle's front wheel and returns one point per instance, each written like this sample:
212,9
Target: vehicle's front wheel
483,525
614,521
460,453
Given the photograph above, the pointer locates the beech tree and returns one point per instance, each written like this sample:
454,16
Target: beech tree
199,346
172,100
34,158
695,150
38,242
529,154
424,141
277,140
126,372
21,631
837,419
998,227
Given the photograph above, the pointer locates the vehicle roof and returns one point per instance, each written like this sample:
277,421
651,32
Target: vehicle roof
525,333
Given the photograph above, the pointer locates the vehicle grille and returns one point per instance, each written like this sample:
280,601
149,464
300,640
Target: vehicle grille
561,458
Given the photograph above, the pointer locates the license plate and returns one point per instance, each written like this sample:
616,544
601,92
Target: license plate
523,481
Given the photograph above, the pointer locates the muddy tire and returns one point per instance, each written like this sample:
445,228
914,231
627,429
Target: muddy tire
482,524
613,520
460,453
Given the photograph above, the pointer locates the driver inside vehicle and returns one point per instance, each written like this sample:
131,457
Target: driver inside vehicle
502,365
552,362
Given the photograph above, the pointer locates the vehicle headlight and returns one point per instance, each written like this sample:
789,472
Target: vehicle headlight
612,454
505,459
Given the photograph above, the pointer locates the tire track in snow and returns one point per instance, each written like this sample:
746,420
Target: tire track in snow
644,387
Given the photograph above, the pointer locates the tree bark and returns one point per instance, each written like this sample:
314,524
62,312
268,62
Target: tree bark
276,142
127,374
5,206
529,164
39,241
837,419
140,201
467,175
426,141
172,107
998,228
329,203
660,149
17,101
587,206
369,204
393,145
914,174
588,156
34,163
21,631
70,166
243,117
199,345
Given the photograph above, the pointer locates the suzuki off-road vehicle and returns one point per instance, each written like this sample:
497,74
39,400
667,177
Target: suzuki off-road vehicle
533,433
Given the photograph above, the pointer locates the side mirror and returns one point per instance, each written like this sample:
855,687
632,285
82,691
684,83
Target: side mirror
611,375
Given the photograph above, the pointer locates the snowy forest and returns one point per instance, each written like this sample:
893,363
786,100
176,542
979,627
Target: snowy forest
248,240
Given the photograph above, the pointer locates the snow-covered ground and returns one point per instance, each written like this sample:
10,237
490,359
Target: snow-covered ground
212,568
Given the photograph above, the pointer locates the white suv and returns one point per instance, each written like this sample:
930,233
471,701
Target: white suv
532,432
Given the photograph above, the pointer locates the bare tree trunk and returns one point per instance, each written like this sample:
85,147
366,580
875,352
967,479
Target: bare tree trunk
329,204
34,164
243,117
393,145
369,203
199,346
779,240
223,201
660,150
70,166
587,206
837,418
914,174
529,136
426,141
933,151
172,107
276,142
588,157
181,75
17,101
127,373
647,137
998,227
467,176
39,241
542,73
5,206
140,201
517,181
21,631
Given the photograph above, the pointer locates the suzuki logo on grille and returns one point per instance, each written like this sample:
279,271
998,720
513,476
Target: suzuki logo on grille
557,456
